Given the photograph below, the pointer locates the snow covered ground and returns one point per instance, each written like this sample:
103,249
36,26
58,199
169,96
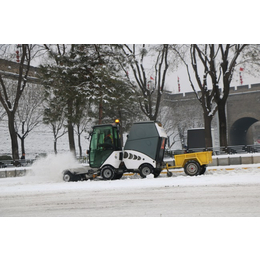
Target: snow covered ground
221,192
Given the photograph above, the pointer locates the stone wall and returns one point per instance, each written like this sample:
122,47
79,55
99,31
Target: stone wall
10,69
243,102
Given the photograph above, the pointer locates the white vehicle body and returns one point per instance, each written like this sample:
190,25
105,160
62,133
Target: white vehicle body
133,159
143,152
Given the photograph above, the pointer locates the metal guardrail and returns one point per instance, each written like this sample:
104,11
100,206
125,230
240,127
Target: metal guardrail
16,163
83,159
17,168
29,162
239,155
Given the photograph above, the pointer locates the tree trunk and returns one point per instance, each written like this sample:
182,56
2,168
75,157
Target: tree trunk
13,136
55,146
222,124
71,138
79,142
207,126
22,145
22,139
71,127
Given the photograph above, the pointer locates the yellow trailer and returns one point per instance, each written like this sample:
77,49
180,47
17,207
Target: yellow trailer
193,163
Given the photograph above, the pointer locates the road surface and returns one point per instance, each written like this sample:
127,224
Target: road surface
237,200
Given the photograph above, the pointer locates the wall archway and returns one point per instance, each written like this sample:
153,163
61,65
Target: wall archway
238,130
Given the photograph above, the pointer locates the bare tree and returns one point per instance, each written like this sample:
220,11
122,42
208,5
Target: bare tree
206,95
150,82
54,116
213,67
250,59
222,74
29,113
10,106
82,122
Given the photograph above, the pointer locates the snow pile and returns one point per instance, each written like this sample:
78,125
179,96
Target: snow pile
150,176
50,168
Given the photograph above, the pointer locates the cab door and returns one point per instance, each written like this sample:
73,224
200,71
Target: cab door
102,145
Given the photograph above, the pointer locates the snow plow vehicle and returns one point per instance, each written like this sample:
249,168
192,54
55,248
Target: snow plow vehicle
193,163
143,152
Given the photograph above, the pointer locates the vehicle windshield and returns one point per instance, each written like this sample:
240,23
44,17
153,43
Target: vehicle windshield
103,142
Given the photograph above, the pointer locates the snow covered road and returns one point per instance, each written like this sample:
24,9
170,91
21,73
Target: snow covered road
213,201
217,193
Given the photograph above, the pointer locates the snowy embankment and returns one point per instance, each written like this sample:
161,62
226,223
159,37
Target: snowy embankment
46,176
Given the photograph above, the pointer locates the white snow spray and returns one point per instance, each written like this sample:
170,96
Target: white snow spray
51,167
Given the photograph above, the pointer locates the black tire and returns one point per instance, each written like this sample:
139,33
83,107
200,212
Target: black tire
107,173
169,174
67,176
145,170
118,176
192,168
203,169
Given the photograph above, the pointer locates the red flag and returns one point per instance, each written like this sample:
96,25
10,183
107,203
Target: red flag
241,69
151,78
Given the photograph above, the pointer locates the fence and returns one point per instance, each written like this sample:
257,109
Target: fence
222,158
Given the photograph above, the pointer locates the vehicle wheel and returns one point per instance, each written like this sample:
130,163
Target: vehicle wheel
118,176
67,176
203,169
145,170
169,174
107,173
192,168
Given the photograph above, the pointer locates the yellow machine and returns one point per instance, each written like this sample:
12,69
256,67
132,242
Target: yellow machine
193,163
